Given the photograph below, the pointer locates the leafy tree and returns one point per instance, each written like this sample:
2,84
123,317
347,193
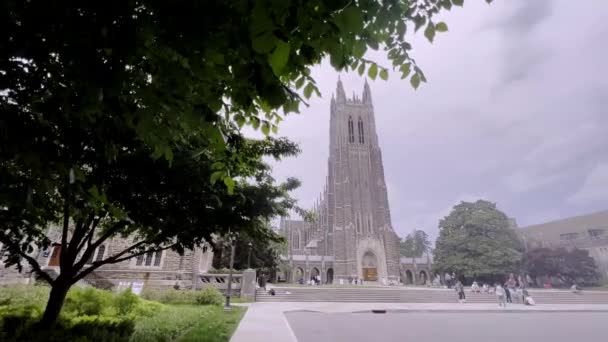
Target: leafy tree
569,265
415,245
264,252
99,98
476,241
156,203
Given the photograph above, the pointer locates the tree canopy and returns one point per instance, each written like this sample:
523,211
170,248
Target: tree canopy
415,244
476,241
123,117
569,265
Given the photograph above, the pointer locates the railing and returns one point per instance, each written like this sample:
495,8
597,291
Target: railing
220,281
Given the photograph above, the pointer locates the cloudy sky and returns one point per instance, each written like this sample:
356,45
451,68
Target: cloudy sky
515,111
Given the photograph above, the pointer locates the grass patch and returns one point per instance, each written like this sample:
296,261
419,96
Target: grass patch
240,300
216,325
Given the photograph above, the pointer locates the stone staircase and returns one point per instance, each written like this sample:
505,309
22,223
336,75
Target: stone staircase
410,295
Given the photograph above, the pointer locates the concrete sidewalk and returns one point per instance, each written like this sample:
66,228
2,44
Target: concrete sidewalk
266,321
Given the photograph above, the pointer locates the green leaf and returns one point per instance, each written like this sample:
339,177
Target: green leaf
373,71
217,165
216,175
361,69
350,19
401,28
279,57
265,128
441,27
359,48
229,182
264,43
275,129
255,122
405,70
447,4
458,2
384,74
308,90
300,82
415,81
429,32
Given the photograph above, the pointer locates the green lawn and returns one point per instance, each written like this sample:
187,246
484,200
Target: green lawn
216,325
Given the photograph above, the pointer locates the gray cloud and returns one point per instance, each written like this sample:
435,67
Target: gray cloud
527,132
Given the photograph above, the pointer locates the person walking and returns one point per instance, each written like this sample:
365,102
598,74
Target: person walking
508,294
460,289
500,295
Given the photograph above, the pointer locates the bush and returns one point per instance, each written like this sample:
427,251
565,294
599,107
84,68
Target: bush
147,308
209,295
167,324
21,326
21,295
125,302
87,301
170,296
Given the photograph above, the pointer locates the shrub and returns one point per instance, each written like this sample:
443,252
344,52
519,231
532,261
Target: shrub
168,324
87,301
209,295
147,308
125,302
20,295
170,296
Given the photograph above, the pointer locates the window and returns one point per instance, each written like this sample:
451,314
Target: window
351,130
596,233
150,259
361,132
97,255
568,236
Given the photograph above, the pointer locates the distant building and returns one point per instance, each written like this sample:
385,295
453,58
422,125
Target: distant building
588,232
152,270
352,236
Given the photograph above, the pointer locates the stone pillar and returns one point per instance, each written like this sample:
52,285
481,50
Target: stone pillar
248,284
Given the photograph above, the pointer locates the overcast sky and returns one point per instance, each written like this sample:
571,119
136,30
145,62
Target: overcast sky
515,111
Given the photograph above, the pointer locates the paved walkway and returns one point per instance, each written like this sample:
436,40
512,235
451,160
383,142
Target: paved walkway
267,322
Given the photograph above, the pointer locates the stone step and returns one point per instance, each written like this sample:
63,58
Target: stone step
395,295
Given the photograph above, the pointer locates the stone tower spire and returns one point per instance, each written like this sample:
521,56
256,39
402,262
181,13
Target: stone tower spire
340,95
367,94
364,243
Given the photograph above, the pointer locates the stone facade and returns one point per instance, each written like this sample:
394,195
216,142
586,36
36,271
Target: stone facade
352,236
153,270
588,232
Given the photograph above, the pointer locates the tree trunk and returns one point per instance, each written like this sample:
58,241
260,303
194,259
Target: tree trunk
55,303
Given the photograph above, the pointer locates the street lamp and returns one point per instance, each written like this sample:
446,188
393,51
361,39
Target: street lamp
250,245
229,287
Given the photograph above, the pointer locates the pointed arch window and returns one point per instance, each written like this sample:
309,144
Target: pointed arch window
351,130
361,131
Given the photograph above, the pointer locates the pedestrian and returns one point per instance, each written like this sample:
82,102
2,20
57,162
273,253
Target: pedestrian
500,295
460,289
475,287
448,280
508,294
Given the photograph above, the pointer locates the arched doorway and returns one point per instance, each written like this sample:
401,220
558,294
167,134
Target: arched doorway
314,272
409,277
369,266
299,275
330,276
423,277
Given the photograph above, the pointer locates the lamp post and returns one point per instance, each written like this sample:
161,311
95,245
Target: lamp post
229,287
250,245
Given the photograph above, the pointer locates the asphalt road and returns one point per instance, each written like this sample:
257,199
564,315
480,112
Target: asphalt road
450,327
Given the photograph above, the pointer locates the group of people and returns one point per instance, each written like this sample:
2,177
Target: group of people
504,293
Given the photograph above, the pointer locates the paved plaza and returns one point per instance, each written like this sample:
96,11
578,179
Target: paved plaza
449,326
352,322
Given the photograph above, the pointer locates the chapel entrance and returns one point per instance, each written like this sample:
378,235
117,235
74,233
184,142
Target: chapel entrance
370,266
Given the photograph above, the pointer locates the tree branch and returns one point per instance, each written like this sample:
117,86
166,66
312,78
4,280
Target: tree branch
32,261
79,233
118,258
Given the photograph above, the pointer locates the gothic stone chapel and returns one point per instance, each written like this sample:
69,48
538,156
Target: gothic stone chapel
352,236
